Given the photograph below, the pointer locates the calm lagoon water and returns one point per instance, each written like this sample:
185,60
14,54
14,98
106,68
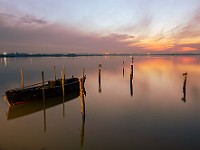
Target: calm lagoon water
158,109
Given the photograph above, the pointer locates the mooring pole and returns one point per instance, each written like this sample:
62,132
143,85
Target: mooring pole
63,90
55,72
83,73
43,86
82,97
63,83
64,72
22,78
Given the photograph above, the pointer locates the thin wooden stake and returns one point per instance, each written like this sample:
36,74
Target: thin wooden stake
80,87
83,73
22,78
55,72
63,89
64,72
43,86
63,83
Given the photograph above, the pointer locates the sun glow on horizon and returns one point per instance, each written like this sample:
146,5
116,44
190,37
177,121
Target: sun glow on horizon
153,44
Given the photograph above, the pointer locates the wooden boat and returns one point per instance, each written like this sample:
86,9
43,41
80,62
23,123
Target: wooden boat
39,91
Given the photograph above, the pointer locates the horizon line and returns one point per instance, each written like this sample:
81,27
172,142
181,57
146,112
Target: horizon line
89,54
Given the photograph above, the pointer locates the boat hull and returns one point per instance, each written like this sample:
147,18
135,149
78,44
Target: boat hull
51,89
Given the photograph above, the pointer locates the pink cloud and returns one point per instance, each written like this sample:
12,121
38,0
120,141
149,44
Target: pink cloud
34,34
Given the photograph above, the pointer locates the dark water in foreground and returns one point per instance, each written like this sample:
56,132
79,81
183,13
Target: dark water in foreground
158,109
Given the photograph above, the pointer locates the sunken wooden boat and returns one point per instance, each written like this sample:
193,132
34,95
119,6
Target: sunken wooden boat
41,90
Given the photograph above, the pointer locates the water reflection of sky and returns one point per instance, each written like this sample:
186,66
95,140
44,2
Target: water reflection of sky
155,117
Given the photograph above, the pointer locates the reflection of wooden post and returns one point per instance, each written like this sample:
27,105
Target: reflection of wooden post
99,77
131,86
55,72
131,79
123,69
83,124
22,78
131,75
45,122
82,110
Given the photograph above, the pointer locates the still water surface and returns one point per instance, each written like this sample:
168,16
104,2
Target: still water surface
158,109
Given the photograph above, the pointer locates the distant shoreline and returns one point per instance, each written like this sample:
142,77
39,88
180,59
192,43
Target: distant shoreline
13,55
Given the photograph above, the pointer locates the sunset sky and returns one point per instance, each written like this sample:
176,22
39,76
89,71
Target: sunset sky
91,26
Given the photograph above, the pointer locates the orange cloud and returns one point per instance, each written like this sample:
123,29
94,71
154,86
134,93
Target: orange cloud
188,49
154,44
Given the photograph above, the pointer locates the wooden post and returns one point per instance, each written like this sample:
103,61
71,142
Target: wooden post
55,72
63,90
64,72
83,73
63,83
80,87
184,88
22,78
43,86
131,75
42,79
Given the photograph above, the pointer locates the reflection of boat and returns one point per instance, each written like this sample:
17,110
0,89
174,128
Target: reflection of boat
35,92
39,105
